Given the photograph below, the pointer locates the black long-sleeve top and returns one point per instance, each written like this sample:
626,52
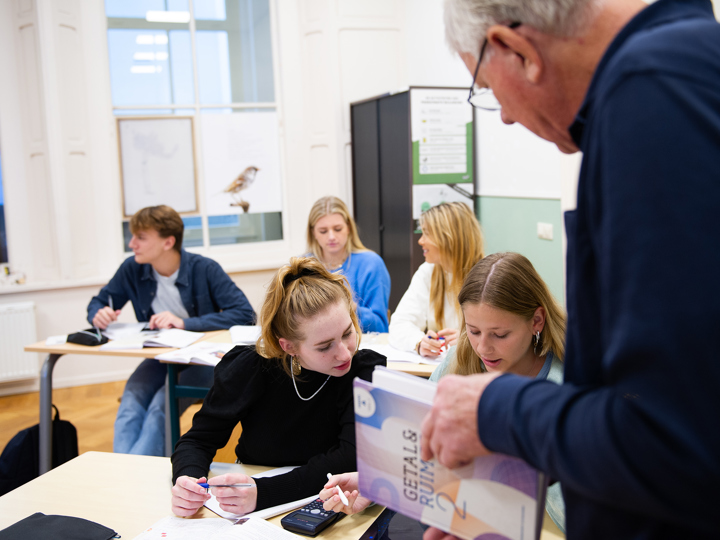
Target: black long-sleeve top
278,428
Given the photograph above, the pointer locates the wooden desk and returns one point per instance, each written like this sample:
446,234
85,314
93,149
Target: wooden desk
130,493
55,352
126,493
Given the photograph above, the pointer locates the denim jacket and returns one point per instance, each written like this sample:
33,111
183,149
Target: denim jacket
211,298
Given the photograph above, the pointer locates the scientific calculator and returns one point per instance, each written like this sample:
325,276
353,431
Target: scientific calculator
310,519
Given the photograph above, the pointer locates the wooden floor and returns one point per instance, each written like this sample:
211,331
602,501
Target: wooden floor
92,411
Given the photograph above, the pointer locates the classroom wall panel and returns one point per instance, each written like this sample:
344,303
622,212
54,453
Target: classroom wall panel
72,86
363,52
510,224
314,10
39,251
31,80
321,169
317,84
375,9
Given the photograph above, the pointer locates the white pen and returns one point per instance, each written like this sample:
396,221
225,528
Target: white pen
343,498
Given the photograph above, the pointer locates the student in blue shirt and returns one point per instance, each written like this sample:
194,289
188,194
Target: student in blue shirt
333,239
168,288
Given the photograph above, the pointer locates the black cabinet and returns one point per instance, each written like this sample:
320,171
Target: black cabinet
382,167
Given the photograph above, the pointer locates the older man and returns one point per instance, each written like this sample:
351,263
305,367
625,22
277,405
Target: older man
633,433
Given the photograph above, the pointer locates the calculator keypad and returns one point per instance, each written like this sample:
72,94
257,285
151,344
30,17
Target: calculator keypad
316,508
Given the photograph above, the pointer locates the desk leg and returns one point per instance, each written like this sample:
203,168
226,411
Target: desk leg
46,412
172,418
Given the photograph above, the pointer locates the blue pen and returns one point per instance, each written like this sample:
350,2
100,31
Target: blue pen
206,485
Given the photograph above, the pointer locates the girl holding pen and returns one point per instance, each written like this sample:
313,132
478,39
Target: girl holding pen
292,393
511,324
452,243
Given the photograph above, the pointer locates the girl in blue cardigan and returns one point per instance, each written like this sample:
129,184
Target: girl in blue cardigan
333,239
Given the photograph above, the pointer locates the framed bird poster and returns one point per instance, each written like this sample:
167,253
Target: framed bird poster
157,163
241,163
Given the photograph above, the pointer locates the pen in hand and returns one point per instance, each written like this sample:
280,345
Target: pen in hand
206,485
343,498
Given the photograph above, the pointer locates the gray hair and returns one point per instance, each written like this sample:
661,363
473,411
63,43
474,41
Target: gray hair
467,21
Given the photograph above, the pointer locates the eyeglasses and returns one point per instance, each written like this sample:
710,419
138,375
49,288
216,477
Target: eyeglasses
483,98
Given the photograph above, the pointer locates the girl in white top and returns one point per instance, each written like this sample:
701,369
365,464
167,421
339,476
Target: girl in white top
452,243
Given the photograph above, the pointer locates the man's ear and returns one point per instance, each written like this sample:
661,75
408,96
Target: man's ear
509,41
287,346
168,243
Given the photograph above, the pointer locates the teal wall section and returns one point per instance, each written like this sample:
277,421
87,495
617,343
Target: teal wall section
510,224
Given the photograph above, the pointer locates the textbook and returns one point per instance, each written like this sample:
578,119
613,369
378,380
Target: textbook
206,353
495,497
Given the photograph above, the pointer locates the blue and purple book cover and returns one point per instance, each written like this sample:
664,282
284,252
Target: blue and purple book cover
496,497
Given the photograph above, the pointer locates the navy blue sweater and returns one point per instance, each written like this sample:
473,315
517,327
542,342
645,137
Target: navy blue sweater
633,433
211,298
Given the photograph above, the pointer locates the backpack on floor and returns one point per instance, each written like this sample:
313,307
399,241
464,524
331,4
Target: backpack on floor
19,462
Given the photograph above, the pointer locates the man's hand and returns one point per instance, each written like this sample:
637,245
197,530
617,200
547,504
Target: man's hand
165,320
449,431
436,534
103,317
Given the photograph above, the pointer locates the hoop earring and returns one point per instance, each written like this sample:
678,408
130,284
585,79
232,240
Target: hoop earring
537,342
295,365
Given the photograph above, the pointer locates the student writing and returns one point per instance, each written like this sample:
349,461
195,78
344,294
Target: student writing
452,243
168,288
292,393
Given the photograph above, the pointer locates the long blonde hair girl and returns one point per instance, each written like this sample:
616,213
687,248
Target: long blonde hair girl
326,206
455,230
508,281
299,291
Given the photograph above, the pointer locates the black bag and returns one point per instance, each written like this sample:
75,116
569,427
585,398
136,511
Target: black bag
56,528
19,462
90,337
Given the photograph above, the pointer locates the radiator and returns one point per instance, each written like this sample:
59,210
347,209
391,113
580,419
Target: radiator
17,329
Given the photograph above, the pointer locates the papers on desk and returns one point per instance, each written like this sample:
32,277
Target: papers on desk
119,330
225,468
396,355
175,528
168,337
244,335
56,340
205,353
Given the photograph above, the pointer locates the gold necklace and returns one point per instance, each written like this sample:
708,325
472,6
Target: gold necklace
336,266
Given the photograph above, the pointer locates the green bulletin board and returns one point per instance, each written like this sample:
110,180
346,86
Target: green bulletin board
442,134
441,121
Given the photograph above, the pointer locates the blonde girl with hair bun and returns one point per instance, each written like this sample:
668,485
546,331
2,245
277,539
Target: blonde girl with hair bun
292,393
452,243
512,324
333,239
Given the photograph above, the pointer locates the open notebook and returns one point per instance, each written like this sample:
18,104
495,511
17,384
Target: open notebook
206,353
171,337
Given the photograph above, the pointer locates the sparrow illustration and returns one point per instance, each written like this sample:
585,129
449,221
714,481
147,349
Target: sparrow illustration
243,181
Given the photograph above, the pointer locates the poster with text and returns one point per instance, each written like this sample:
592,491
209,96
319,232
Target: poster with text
441,121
